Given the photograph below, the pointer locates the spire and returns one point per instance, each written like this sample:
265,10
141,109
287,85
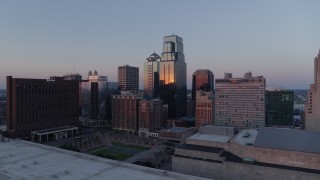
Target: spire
95,72
89,73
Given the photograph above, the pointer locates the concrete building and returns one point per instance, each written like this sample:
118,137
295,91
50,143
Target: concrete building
240,102
250,154
151,71
175,135
29,161
204,108
312,106
202,79
37,104
279,108
128,78
93,100
173,76
150,116
125,110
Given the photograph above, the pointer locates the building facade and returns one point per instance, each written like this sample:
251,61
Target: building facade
173,74
279,108
93,100
202,79
3,112
125,112
240,102
151,71
150,116
204,108
128,78
37,104
312,106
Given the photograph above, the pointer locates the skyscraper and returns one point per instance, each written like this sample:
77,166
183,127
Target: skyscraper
202,79
93,100
240,102
128,78
173,69
151,76
312,106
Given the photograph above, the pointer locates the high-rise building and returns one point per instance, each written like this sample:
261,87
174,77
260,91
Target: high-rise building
151,76
173,69
150,116
125,112
37,104
312,106
202,79
240,102
279,108
204,108
93,100
128,78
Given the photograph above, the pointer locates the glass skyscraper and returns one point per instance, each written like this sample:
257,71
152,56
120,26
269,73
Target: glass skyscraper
173,72
151,76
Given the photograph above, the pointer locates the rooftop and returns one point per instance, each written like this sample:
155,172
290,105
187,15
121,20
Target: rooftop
288,139
246,137
178,129
210,137
27,160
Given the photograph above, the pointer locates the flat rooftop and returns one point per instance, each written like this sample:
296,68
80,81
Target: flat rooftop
288,139
29,161
209,137
246,137
177,129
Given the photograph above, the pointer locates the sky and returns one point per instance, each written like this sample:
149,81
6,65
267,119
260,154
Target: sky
275,39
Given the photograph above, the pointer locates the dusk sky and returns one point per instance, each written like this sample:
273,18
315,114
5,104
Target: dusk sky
275,39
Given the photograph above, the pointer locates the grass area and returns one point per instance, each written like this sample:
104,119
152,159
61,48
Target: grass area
130,146
107,153
118,151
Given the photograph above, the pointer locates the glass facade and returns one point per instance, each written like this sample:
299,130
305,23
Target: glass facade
173,89
279,108
93,97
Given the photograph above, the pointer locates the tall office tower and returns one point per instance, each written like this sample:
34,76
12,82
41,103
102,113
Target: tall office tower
279,108
204,108
312,106
125,112
37,104
202,79
240,102
150,116
93,100
173,72
151,76
128,78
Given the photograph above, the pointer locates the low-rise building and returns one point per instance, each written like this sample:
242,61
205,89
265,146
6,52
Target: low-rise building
175,135
266,153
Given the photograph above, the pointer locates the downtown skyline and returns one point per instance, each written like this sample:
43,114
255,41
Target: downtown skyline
278,40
